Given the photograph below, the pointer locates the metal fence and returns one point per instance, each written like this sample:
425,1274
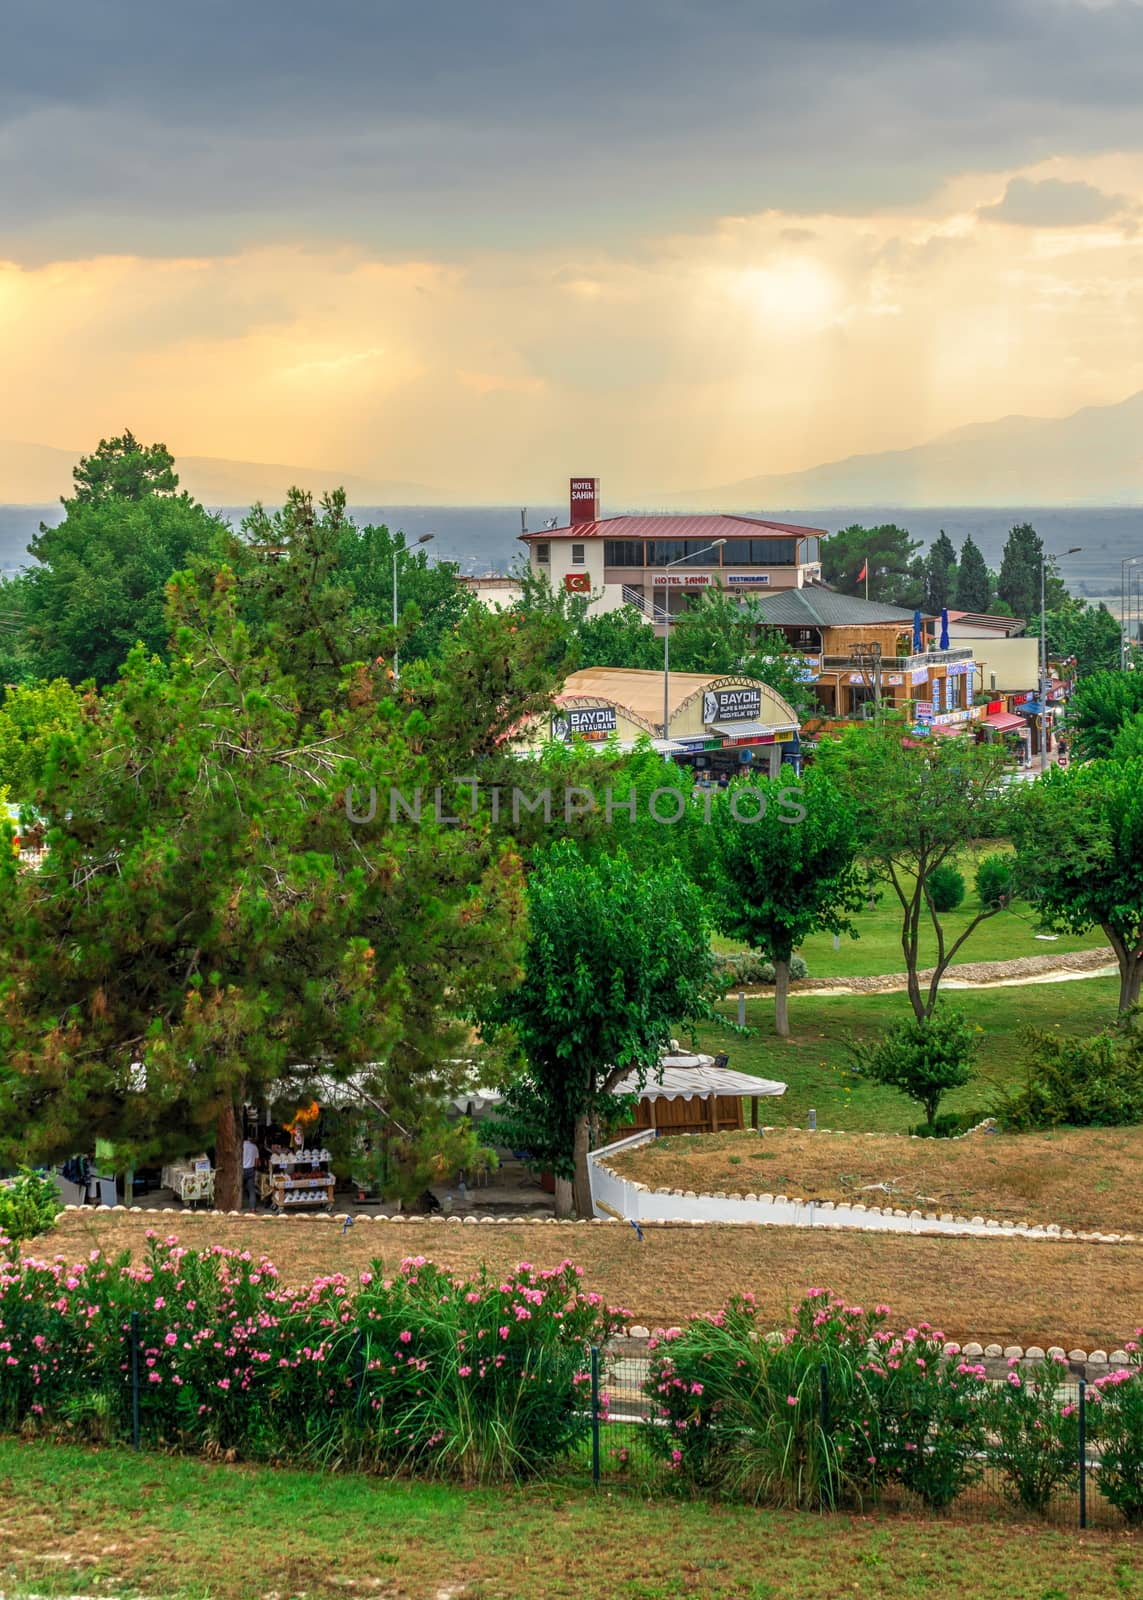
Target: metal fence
622,1449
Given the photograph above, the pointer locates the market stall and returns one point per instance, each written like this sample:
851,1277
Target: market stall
192,1182
301,1178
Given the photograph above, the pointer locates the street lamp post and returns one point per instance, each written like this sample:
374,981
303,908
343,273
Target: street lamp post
1044,559
717,545
398,551
1124,581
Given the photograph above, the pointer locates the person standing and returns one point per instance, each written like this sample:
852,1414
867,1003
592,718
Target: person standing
249,1175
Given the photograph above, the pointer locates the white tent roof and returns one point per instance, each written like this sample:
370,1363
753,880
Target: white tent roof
697,1078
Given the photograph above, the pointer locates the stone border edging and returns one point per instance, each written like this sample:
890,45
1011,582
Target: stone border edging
981,1227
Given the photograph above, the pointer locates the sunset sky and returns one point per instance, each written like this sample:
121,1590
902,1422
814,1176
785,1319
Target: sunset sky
482,245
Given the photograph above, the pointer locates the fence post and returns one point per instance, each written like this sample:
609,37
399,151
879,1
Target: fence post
1082,1454
595,1414
135,1379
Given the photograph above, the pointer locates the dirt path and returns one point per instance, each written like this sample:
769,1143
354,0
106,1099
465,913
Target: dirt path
969,975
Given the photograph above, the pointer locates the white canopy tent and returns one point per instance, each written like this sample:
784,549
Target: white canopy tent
688,1077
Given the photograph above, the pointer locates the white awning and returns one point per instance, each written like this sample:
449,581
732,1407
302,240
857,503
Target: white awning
749,730
697,1078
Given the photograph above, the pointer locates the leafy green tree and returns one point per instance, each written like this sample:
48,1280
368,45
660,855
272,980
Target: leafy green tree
123,469
923,1057
16,665
30,716
940,575
973,582
1128,745
1019,582
917,806
895,573
209,926
789,873
1089,633
100,583
615,960
619,638
1099,707
1079,840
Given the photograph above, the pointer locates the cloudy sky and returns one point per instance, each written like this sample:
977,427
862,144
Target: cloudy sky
483,244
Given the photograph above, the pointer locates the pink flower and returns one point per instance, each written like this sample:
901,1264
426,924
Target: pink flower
405,1337
792,1399
464,1371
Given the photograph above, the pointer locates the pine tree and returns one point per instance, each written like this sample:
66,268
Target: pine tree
940,574
973,587
1019,581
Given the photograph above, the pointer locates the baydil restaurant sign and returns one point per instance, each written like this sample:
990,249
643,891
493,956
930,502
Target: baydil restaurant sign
589,722
731,705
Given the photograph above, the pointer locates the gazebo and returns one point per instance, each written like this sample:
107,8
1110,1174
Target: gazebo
696,1094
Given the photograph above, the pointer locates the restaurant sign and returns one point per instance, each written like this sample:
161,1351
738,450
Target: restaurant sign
731,705
588,722
748,580
919,675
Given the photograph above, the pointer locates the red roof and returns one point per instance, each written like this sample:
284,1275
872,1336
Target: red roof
723,526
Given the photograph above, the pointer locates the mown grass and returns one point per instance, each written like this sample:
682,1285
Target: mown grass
111,1522
1012,1291
1081,1178
877,950
813,1062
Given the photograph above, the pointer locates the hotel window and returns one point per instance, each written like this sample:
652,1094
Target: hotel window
623,552
543,554
811,552
662,551
760,553
577,555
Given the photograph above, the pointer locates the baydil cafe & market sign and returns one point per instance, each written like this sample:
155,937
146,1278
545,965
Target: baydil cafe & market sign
586,722
731,705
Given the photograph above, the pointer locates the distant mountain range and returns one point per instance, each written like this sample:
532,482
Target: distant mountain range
1093,457
36,474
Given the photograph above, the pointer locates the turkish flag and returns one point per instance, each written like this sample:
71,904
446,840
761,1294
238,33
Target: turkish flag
862,573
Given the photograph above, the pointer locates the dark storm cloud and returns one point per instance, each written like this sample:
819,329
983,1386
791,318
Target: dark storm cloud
126,125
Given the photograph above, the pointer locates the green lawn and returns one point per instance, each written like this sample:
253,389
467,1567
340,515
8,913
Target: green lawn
112,1522
877,950
812,1062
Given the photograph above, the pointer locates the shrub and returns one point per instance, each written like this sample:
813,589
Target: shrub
1079,1083
929,1420
741,1411
1117,1427
922,1059
1034,1440
946,887
949,1125
477,1379
994,881
742,970
29,1204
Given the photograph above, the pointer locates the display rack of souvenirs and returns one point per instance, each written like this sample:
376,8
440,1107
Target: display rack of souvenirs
301,1178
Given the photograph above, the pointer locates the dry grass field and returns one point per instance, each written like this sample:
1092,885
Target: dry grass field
1014,1291
1086,1179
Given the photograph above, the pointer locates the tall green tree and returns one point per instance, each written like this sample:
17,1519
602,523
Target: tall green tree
99,585
895,572
616,959
973,583
619,638
789,873
1079,840
209,912
917,805
122,469
1099,707
940,575
1018,584
1089,633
